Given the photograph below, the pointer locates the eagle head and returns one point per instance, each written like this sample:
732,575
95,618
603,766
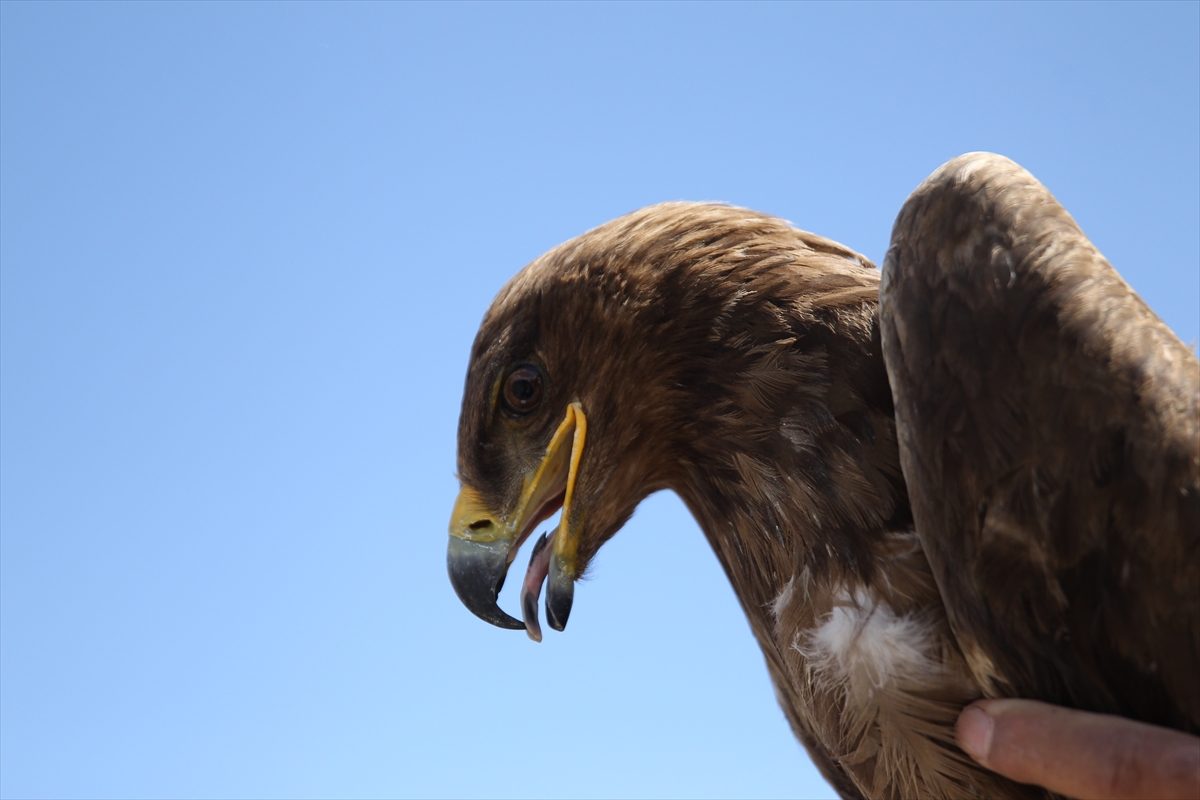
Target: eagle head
652,349
568,404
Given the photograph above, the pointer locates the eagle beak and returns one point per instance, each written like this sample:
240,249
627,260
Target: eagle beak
484,543
477,571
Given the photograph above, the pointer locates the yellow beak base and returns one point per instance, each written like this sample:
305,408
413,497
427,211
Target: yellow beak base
483,543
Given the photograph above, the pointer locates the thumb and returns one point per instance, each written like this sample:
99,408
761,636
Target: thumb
1078,753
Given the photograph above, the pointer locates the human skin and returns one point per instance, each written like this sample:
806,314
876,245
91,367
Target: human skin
1081,754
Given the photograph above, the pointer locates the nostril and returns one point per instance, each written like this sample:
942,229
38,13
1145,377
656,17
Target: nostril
480,524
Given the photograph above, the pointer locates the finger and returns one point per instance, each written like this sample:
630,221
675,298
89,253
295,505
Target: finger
1080,754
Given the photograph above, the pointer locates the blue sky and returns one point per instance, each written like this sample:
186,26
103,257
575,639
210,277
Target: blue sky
244,250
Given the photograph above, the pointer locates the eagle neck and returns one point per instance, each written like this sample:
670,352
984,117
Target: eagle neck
795,466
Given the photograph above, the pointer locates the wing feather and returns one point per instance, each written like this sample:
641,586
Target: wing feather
1049,427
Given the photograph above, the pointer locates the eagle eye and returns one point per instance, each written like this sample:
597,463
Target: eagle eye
522,389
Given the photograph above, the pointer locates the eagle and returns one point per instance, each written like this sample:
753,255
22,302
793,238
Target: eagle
973,473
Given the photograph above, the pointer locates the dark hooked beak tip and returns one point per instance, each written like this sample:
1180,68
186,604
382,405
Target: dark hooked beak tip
477,571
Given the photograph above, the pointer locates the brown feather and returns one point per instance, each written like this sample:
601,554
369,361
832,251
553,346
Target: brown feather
1051,438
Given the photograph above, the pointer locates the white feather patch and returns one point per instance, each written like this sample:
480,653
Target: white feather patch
864,646
784,599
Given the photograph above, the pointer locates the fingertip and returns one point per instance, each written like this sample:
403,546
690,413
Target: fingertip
974,732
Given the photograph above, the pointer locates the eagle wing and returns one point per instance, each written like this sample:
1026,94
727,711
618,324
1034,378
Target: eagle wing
1049,428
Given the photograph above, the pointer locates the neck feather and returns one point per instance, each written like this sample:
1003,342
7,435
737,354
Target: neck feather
790,459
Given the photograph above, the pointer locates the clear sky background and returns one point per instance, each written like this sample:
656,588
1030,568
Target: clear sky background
245,248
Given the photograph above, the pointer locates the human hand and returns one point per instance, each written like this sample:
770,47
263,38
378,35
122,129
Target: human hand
1080,754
